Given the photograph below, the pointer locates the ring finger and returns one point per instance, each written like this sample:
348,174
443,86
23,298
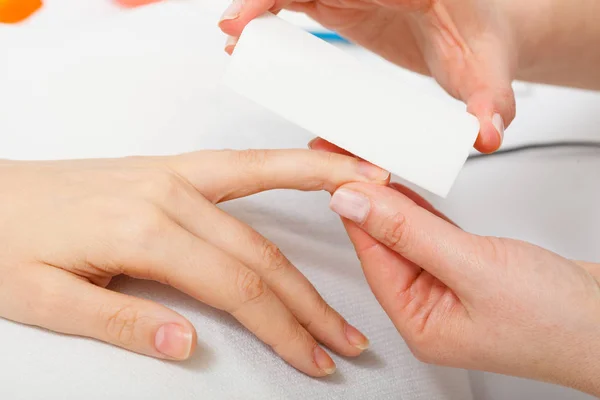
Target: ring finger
170,254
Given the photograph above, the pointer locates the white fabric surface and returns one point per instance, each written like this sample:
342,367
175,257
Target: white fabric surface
548,198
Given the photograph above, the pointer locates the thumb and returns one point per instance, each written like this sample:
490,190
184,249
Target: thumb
227,175
418,236
70,305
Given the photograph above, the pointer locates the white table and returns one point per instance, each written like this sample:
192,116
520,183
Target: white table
547,197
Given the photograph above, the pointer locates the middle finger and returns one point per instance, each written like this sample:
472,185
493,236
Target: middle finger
263,257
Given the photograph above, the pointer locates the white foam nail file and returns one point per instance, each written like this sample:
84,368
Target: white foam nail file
331,94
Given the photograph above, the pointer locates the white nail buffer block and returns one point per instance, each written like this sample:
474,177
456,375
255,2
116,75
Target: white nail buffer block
331,94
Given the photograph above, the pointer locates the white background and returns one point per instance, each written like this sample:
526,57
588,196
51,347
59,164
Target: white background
546,197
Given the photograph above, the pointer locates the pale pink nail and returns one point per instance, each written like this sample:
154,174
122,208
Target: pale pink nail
498,123
323,361
372,172
351,205
233,11
356,338
174,341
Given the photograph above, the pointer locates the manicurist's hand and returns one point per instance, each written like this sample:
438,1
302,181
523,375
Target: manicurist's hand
471,301
470,47
68,227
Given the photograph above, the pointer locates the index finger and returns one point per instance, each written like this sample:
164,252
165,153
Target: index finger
421,237
227,175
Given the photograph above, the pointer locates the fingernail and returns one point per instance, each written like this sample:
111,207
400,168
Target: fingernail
323,361
356,338
498,123
372,172
349,204
233,11
174,341
310,144
230,44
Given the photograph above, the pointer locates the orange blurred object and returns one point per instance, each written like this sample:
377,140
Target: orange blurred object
13,11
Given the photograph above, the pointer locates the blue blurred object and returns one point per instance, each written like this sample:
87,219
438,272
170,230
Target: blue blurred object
329,36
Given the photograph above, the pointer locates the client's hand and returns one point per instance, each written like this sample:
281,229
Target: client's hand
470,46
475,302
68,227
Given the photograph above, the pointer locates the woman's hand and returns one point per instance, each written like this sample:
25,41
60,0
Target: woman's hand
470,46
475,302
68,227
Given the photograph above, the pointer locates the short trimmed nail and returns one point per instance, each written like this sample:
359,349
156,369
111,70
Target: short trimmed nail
356,338
233,11
174,341
498,123
372,172
349,204
323,361
230,43
310,144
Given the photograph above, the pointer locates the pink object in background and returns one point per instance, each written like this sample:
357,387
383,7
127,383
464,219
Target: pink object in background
135,3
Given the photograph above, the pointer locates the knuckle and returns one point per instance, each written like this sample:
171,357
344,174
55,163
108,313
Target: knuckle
321,312
493,249
168,184
329,161
294,334
121,325
439,346
297,333
505,99
506,95
143,226
422,346
48,299
251,287
396,232
252,157
273,258
422,355
327,158
163,186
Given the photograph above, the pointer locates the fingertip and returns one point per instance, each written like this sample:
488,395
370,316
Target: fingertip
357,339
324,361
495,110
175,340
230,44
231,27
491,134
